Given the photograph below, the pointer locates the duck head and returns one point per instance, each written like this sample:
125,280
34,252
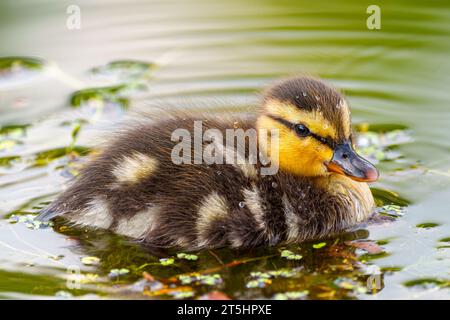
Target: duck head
314,130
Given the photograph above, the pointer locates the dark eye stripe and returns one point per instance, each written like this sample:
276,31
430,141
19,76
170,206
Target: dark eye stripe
288,124
326,141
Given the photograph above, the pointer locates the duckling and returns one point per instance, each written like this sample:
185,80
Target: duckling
135,188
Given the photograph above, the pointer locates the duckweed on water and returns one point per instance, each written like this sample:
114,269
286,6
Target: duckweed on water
290,255
10,140
100,97
262,279
166,261
293,295
14,64
131,75
186,256
376,146
444,243
372,256
258,283
388,197
428,283
319,245
10,136
393,86
208,279
19,70
90,261
116,273
391,269
14,130
9,144
182,294
45,157
391,210
349,284
427,225
62,294
9,161
382,136
30,222
123,70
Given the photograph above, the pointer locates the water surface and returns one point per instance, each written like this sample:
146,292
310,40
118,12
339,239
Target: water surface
218,54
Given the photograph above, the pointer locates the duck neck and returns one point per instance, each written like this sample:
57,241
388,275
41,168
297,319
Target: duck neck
357,193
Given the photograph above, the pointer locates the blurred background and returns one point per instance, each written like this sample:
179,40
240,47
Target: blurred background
64,81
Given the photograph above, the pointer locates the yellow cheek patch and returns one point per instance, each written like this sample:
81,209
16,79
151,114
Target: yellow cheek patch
301,156
314,120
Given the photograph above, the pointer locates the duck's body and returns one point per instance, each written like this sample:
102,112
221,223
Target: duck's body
134,188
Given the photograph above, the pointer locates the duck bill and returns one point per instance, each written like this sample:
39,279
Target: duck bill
347,162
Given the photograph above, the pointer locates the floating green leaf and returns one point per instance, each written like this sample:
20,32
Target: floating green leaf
9,161
98,98
13,64
388,197
186,256
8,144
292,295
383,242
290,255
14,131
115,273
19,70
369,256
124,70
182,294
392,210
319,245
428,283
90,261
30,221
427,225
45,157
166,261
262,279
391,269
444,243
376,145
258,283
63,294
208,279
351,285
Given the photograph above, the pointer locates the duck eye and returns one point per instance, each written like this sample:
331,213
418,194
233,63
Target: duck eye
302,130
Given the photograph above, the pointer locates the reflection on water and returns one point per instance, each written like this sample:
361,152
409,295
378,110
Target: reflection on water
152,55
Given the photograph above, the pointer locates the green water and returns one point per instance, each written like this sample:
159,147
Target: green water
210,53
